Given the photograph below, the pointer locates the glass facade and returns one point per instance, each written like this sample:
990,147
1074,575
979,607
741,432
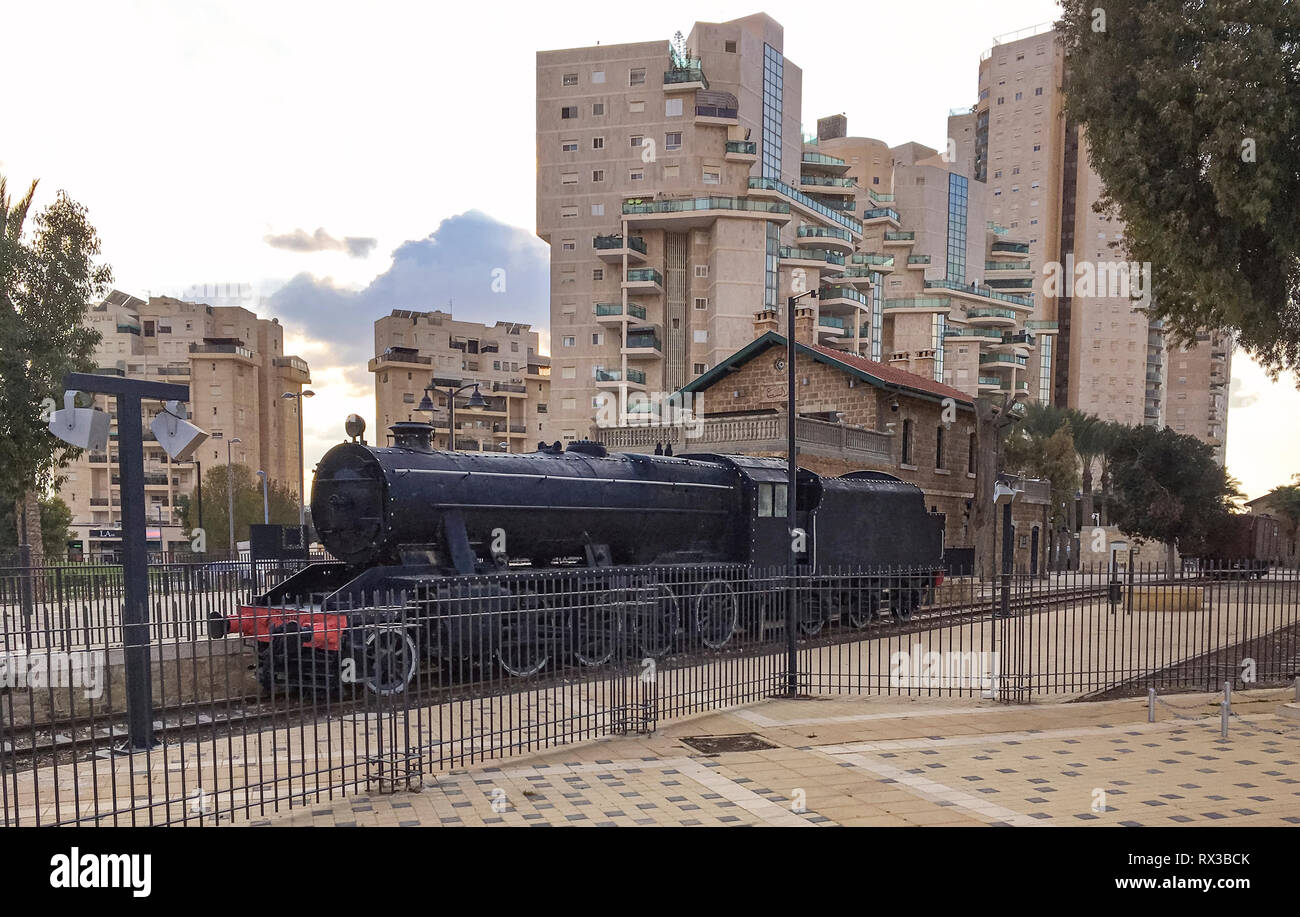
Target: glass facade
938,325
773,86
877,315
958,194
1045,368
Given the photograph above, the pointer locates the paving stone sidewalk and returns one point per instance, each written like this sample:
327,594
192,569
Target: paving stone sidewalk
890,761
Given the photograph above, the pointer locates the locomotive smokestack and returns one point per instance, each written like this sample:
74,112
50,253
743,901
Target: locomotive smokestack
412,434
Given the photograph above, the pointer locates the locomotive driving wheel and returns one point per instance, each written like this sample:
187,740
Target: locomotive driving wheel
656,619
521,646
904,602
812,612
716,612
860,607
388,660
596,628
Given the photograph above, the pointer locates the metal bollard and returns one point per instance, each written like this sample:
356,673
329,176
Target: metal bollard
1151,705
1224,711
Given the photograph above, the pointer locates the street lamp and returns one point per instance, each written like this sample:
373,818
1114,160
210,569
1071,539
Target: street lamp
230,496
475,403
792,472
299,396
266,506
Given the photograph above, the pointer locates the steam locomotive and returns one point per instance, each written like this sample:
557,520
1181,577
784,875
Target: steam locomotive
528,557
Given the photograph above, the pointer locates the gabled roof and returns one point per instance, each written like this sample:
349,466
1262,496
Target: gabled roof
880,375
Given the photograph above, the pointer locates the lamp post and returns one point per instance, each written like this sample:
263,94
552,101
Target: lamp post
475,403
299,396
230,496
266,505
791,519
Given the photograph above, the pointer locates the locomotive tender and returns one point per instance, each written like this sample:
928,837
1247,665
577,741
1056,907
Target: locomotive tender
481,535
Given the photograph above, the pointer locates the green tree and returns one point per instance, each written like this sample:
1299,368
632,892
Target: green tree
48,278
1190,113
1285,502
1167,486
1047,456
55,518
282,501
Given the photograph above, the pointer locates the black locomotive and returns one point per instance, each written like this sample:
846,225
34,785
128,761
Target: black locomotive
442,555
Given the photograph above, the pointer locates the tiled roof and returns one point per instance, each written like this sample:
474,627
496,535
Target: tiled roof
892,375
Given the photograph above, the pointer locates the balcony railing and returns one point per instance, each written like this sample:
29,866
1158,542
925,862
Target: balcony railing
879,197
748,147
1037,325
986,292
636,243
1021,248
1007,358
821,159
823,232
826,181
832,321
843,293
976,314
642,341
773,184
292,363
918,259
810,254
919,302
900,236
715,111
1006,265
685,75
872,258
645,275
616,308
405,355
881,213
616,375
990,380
706,203
222,348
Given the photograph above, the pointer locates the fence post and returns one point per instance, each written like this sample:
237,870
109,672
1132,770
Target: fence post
1151,705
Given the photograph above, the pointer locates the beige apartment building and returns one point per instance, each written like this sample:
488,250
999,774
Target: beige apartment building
419,351
235,366
679,199
1108,357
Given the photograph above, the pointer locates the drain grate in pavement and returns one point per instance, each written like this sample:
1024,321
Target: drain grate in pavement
713,745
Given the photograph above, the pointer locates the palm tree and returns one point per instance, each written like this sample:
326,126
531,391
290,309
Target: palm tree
1089,442
1108,438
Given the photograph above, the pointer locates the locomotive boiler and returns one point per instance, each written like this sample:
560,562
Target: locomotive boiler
563,552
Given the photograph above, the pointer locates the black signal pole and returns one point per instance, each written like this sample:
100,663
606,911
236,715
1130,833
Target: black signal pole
135,558
791,518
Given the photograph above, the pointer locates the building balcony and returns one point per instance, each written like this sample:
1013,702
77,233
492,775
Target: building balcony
699,212
615,378
399,356
919,304
860,275
880,197
990,383
611,313
970,292
685,79
1005,267
839,240
1043,327
613,248
222,350
826,184
810,257
881,215
1010,248
761,187
293,369
643,344
741,151
882,263
980,335
918,262
716,114
820,162
900,237
842,297
1002,361
996,317
508,389
834,325
644,280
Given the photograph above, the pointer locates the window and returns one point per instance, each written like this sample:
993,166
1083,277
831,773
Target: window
598,108
907,442
408,398
636,77
701,270
636,175
970,454
568,245
875,179
636,140
598,274
569,79
701,303
569,112
568,178
598,210
597,143
568,146
598,76
569,340
673,140
597,174
997,173
567,213
598,338
701,368
771,500
1019,96
636,107
712,177
568,372
1001,99
1038,91
938,448
1037,147
672,108
701,336
729,47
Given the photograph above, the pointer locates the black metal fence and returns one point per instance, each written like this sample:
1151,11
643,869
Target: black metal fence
272,708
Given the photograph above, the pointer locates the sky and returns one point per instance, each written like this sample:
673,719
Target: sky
347,159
